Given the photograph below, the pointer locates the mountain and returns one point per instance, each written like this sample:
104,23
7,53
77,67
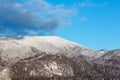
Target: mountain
54,58
23,47
12,48
37,67
54,67
111,58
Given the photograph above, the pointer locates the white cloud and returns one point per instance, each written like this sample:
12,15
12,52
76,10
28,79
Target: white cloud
90,3
32,17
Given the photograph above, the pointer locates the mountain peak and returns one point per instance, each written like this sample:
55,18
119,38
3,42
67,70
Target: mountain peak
22,47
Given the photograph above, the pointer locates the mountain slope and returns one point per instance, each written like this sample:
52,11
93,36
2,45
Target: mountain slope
111,58
51,57
22,47
54,67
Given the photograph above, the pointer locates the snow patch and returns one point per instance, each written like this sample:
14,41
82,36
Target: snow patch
4,74
52,68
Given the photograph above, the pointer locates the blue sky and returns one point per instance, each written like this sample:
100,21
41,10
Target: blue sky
93,23
97,24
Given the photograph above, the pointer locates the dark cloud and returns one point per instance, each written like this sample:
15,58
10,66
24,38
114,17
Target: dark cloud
30,17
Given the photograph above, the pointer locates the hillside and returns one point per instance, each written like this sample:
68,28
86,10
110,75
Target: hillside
54,58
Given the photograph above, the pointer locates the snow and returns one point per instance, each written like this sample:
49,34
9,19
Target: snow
33,73
25,69
52,68
20,47
4,74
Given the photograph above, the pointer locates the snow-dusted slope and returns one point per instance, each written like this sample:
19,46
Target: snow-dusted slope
22,47
111,58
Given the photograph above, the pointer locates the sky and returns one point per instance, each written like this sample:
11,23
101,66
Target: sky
92,23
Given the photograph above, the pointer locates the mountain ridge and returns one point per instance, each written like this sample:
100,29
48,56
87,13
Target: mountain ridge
49,44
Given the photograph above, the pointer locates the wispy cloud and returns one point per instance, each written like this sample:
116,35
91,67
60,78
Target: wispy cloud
87,3
32,17
90,3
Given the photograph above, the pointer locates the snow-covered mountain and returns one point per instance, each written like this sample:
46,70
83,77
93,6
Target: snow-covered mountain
33,57
23,47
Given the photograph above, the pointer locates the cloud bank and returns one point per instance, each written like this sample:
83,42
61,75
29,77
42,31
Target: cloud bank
32,17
